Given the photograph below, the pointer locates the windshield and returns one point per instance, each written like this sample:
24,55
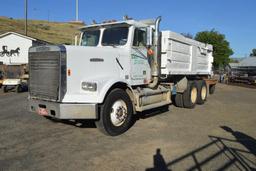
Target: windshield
115,36
90,38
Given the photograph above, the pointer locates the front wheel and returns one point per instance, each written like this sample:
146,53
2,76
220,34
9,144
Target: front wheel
115,113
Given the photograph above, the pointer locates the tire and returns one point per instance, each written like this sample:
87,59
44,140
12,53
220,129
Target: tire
109,123
202,92
178,100
5,89
190,95
211,89
18,89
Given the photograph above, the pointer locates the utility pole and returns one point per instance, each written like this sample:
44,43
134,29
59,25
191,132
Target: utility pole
26,17
48,16
77,8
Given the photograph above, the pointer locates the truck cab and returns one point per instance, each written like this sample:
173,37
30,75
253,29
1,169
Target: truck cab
120,48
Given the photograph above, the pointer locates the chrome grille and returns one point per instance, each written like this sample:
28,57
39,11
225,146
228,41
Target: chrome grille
45,69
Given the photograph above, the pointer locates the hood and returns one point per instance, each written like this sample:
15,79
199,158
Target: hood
91,64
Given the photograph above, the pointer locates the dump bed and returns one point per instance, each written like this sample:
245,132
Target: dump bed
184,56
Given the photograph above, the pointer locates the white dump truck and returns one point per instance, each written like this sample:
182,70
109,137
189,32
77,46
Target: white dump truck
119,69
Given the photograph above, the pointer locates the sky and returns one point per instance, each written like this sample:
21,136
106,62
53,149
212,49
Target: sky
234,18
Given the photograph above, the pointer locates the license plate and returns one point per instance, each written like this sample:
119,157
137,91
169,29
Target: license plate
42,111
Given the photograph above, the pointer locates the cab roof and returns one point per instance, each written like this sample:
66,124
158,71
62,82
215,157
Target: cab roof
141,23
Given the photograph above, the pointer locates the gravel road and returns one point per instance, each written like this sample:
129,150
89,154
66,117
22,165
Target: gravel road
219,135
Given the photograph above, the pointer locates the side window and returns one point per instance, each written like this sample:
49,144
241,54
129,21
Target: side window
140,37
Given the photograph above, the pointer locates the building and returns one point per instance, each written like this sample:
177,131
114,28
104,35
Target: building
246,67
14,48
248,62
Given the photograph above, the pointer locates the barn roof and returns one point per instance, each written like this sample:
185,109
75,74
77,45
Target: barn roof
26,37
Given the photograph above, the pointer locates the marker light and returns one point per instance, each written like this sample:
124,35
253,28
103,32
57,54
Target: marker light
69,72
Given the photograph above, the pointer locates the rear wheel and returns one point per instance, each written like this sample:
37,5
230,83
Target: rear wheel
202,92
178,100
212,89
115,113
190,95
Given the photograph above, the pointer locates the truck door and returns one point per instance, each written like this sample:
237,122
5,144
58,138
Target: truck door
140,68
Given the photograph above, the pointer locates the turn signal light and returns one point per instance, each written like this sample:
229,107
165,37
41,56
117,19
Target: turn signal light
69,72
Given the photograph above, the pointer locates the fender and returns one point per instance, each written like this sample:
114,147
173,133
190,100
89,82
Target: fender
107,84
104,84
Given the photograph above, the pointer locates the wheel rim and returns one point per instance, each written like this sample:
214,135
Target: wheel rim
118,113
203,93
193,95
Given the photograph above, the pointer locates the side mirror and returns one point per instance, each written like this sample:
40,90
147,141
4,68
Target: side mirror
77,39
149,36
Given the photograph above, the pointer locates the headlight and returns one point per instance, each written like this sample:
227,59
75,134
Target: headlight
89,86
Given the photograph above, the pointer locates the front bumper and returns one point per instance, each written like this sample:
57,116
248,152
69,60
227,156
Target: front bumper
64,110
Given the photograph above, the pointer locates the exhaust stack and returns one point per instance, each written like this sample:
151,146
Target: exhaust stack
155,68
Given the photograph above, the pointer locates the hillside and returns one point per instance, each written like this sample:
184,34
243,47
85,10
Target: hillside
54,32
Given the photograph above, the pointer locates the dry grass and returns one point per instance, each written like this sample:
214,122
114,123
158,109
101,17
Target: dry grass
54,32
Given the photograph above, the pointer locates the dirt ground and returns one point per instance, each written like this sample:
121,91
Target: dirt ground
219,135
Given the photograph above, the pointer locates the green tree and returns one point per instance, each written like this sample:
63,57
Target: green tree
221,47
253,52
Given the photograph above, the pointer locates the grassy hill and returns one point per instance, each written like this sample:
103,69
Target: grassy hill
54,32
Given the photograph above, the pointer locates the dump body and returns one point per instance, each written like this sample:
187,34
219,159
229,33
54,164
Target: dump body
184,56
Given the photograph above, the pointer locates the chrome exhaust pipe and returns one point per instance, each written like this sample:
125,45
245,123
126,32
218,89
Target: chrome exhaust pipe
155,68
